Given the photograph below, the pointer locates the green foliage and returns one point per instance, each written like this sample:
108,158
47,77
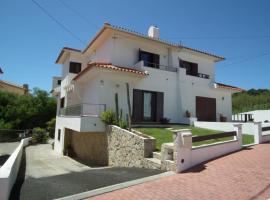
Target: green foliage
251,100
40,135
51,127
26,111
123,124
108,117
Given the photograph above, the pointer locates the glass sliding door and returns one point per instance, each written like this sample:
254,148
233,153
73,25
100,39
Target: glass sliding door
147,105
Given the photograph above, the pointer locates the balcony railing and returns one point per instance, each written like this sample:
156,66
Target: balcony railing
85,109
200,75
242,118
161,67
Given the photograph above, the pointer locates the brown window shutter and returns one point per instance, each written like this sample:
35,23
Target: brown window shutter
137,106
140,55
160,106
156,60
194,68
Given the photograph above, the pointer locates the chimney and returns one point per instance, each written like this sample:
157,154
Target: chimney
26,88
153,32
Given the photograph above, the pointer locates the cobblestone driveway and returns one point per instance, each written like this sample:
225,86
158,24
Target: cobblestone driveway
242,175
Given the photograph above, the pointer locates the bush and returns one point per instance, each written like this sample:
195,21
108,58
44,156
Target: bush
40,135
51,127
108,117
123,124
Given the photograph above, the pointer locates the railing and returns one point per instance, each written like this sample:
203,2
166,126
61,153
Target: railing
200,75
213,136
242,118
161,67
85,109
267,128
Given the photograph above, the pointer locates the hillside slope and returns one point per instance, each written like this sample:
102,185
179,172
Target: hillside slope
251,100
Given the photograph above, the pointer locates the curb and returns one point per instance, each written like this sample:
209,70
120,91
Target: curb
118,186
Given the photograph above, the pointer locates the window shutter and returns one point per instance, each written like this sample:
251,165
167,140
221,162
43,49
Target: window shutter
194,69
160,106
137,106
156,60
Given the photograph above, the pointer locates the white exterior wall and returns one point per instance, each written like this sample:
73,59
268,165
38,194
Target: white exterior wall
99,86
259,115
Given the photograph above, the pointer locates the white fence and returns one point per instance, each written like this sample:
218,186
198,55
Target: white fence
10,169
188,156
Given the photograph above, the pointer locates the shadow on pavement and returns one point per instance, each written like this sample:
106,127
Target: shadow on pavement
3,159
77,182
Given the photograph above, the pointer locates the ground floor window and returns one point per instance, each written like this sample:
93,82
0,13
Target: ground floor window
59,134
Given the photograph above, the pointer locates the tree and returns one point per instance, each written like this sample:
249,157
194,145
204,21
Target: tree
26,111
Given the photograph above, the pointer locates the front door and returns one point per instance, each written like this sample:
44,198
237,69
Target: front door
206,109
147,106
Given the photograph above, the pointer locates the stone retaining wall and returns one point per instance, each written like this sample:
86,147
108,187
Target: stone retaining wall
128,149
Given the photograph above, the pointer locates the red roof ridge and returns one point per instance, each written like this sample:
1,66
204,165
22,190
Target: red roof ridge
109,66
225,86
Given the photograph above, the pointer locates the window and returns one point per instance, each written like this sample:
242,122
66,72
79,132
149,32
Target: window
62,102
150,59
58,82
191,68
75,67
59,134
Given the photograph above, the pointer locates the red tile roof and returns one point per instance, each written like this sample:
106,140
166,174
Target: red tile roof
118,28
224,86
110,67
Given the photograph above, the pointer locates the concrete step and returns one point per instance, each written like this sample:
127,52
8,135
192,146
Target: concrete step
169,165
152,163
157,155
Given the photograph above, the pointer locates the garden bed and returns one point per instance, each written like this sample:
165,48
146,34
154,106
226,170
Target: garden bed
165,135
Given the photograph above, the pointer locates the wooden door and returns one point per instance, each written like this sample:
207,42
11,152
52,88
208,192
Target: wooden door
206,109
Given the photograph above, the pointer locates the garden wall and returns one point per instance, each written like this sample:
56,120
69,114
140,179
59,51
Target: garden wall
9,171
128,149
89,148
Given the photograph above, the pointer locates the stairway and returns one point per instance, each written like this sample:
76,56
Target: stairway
162,160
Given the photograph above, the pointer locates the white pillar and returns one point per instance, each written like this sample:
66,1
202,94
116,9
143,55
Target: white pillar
258,132
182,149
238,129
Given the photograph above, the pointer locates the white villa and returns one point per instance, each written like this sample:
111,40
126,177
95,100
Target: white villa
166,80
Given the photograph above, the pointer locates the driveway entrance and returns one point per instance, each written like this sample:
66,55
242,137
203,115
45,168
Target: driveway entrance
50,176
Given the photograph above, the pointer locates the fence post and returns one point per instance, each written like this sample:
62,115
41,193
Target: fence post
238,129
182,149
258,132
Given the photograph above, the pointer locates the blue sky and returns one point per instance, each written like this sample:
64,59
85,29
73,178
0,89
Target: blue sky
238,30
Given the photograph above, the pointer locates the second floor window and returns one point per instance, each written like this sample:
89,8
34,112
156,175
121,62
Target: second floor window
62,102
75,67
191,68
58,82
150,59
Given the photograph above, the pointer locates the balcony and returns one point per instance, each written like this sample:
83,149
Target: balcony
82,117
200,75
139,65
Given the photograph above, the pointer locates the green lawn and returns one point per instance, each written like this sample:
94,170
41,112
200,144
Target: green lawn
163,135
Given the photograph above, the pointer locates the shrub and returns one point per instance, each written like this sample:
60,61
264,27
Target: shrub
123,124
51,127
164,120
40,135
108,117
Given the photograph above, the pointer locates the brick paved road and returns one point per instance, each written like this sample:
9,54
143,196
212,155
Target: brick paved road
242,175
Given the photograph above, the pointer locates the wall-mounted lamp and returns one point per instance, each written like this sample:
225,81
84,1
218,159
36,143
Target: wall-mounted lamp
102,82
